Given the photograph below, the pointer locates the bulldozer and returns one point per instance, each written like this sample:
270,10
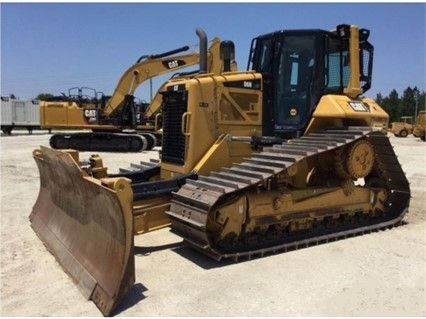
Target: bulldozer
402,128
118,123
419,126
284,155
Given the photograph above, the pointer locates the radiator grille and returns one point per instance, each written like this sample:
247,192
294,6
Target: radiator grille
174,105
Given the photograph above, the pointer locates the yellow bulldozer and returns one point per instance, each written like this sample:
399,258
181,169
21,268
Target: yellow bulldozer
118,123
285,155
419,126
402,128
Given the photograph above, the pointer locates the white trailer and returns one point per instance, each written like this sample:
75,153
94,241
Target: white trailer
16,113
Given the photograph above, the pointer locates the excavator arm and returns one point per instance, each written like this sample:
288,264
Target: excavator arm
151,66
120,111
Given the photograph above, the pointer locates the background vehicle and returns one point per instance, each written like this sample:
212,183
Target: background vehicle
18,113
419,126
402,128
282,156
117,122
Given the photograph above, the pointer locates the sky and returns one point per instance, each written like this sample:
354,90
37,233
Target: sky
51,47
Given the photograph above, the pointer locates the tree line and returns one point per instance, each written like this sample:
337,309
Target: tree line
409,104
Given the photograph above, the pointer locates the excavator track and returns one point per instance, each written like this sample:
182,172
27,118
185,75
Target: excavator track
196,204
101,142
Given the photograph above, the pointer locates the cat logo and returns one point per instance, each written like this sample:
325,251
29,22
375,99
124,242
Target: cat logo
358,106
91,116
90,113
173,64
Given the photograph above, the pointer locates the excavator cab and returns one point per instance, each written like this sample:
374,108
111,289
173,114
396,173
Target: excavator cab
85,97
300,66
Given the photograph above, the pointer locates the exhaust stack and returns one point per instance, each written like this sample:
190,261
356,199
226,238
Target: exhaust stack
203,50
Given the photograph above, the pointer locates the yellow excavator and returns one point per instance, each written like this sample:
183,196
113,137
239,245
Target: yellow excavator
118,123
285,155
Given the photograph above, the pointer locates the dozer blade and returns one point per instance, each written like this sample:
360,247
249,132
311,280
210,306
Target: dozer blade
87,224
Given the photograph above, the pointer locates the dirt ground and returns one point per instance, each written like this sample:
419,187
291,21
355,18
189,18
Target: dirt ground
379,274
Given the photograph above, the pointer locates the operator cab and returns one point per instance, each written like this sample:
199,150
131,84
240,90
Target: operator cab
298,68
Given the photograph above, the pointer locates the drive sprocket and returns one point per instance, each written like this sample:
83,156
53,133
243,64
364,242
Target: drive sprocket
360,158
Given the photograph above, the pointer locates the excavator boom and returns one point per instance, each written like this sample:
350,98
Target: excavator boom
156,65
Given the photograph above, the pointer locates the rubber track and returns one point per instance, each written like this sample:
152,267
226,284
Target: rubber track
192,204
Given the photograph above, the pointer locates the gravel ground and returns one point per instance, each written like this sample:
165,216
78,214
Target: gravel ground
379,274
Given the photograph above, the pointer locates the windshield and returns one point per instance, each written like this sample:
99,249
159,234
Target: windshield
296,56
